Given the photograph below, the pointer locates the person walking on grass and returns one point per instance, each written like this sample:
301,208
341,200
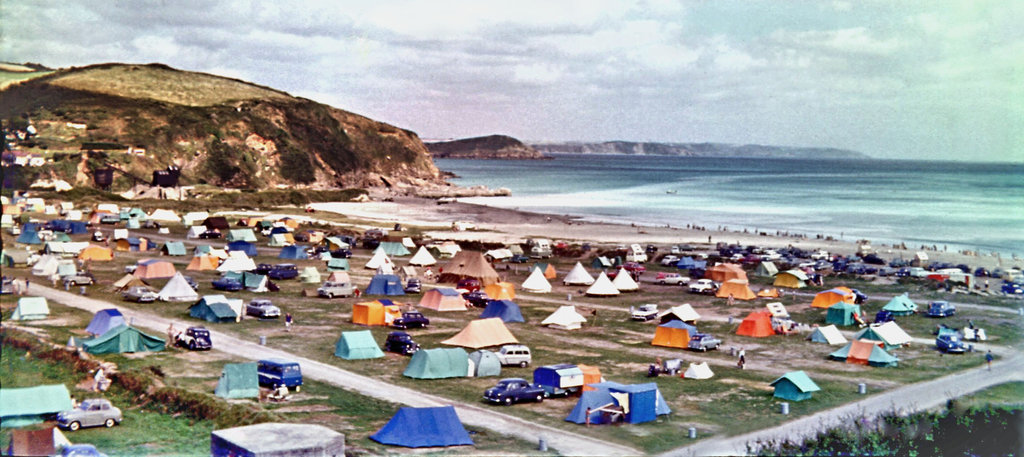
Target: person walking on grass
287,322
743,358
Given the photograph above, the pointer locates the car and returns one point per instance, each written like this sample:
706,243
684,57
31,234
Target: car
210,234
884,316
413,286
669,260
982,272
672,279
7,286
98,236
283,271
651,249
194,338
191,282
279,372
643,312
940,309
703,341
1012,288
410,319
140,294
341,253
703,286
336,289
635,268
93,412
514,355
518,258
401,343
950,343
514,390
859,297
263,309
150,225
263,269
820,255
79,280
873,259
468,284
228,284
477,298
110,219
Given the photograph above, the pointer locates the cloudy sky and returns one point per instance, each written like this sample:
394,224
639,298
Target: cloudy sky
903,79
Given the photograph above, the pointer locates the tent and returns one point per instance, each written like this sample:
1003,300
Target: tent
843,314
339,276
578,276
889,334
335,264
602,287
506,310
724,272
484,363
126,282
213,308
698,371
178,289
29,237
238,380
827,298
393,249
768,293
600,263
203,262
281,239
828,334
901,305
46,265
424,427
216,222
104,320
241,245
379,312
164,215
66,268
237,264
154,269
309,275
624,282
194,231
408,272
766,269
469,264
173,248
793,279
422,258
443,299
96,253
40,442
379,259
271,439
123,338
737,288
438,363
482,333
639,403
293,252
357,345
565,318
30,405
757,324
865,353
673,334
385,285
684,312
794,386
31,308
546,269
120,234
408,242
501,291
498,254
14,258
688,263
536,282
253,282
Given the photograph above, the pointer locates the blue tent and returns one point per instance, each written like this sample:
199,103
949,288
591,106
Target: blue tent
248,248
645,402
29,237
78,228
104,320
279,229
423,427
688,263
294,252
30,227
591,399
385,285
507,310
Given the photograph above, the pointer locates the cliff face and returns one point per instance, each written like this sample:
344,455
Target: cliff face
219,131
485,147
698,150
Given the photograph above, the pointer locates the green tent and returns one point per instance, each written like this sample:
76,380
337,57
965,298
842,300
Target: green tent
766,269
794,386
337,265
123,339
174,248
310,275
842,313
393,249
357,345
900,305
132,223
241,235
30,308
485,363
875,355
29,405
438,363
254,282
238,380
212,311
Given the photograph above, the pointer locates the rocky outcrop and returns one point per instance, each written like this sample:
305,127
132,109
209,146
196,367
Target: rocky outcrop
484,147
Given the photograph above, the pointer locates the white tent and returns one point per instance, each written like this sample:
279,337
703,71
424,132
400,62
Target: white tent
892,334
120,234
602,287
310,275
536,282
66,247
74,215
422,258
379,258
50,210
177,289
194,231
448,249
235,263
408,242
234,255
6,220
195,216
386,268
164,215
778,310
261,287
108,207
698,371
684,312
624,282
46,265
828,334
565,318
578,276
222,254
280,239
499,254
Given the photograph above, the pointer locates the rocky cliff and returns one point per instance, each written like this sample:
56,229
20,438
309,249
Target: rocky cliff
698,150
484,147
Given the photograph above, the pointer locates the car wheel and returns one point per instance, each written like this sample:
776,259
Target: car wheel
522,364
661,282
703,349
298,388
192,346
74,426
109,423
330,295
508,401
540,398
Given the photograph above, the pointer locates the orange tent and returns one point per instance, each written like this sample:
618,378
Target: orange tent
860,352
757,324
591,375
547,269
501,291
443,299
97,253
725,271
738,288
768,293
827,298
290,223
154,269
380,312
203,262
673,334
481,333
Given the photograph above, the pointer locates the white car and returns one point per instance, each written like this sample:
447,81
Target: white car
669,260
703,286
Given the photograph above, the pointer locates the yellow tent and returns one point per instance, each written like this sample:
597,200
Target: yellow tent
673,334
737,288
203,262
793,279
830,297
501,291
97,253
482,333
768,293
375,312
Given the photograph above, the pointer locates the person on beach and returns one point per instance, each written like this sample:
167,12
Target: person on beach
287,322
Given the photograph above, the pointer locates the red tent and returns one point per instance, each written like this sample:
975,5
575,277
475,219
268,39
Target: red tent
757,324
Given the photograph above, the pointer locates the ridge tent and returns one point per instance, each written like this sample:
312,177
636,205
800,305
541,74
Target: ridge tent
255,282
602,287
241,245
698,371
501,291
469,264
828,334
339,276
123,338
66,267
484,363
65,248
506,310
31,308
673,334
793,279
31,405
281,239
424,427
827,298
766,269
137,213
565,318
178,289
737,288
768,293
757,324
41,442
379,312
624,282
213,308
591,375
536,282
600,263
357,345
422,258
194,231
293,252
120,234
216,222
96,253
46,265
684,312
14,258
154,269
126,282
498,254
843,314
408,272
408,242
889,334
203,262
310,275
237,264
481,333
547,270
192,217
438,363
443,299
393,249
448,249
379,259
104,320
164,215
794,386
578,276
334,243
173,248
724,272
29,237
385,285
238,380
865,353
901,305
335,264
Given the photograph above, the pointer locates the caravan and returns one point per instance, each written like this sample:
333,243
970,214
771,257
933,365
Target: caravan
539,247
636,254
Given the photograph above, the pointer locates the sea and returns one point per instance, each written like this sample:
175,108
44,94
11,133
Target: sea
949,205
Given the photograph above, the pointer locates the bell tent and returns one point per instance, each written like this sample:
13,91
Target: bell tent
565,318
578,276
422,258
536,283
698,371
178,289
624,282
469,264
602,287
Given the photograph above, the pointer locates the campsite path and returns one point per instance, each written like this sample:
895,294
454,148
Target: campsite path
565,442
906,399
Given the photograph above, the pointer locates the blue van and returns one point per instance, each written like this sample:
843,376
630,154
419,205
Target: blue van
276,372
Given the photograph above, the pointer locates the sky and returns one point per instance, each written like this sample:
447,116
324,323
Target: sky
902,80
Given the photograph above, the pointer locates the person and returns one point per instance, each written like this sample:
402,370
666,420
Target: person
988,359
287,322
743,358
357,292
732,301
587,418
171,333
